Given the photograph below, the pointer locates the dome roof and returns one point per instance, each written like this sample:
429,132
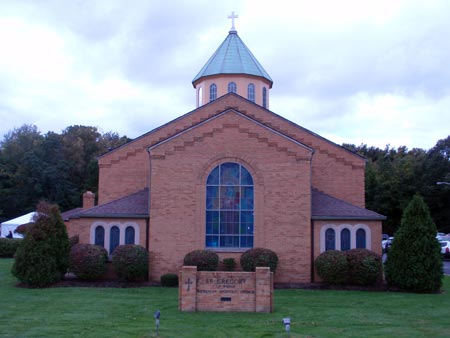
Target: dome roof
232,57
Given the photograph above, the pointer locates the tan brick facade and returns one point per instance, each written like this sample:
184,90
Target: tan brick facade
285,160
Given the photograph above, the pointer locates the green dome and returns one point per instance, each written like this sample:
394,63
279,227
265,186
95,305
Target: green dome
233,57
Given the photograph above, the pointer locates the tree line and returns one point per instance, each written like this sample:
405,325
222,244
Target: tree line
60,167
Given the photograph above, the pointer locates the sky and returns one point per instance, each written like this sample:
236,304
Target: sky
353,71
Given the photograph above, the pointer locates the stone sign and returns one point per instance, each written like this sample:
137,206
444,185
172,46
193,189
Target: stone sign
225,291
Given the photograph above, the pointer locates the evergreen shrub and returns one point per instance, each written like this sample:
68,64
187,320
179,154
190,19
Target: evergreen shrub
364,267
229,264
414,261
42,257
88,261
204,260
257,257
169,280
332,267
130,262
8,246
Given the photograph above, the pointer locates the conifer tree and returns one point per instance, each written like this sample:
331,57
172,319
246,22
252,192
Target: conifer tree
414,261
43,256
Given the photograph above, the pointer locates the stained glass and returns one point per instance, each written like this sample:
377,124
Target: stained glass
213,177
229,174
229,197
246,178
212,198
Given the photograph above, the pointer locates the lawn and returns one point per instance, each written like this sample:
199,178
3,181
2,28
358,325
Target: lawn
109,312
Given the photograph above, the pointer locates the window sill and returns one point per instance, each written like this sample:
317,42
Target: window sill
238,250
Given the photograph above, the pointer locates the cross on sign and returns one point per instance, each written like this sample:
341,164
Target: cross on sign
188,283
232,17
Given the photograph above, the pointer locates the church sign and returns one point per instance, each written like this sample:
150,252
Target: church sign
225,291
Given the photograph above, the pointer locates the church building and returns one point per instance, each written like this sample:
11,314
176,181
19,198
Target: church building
229,176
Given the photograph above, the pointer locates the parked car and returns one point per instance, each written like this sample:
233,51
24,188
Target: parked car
386,244
445,247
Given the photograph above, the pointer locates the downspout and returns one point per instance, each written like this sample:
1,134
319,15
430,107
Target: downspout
312,222
147,221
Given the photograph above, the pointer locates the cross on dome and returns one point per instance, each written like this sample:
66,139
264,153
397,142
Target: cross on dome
232,17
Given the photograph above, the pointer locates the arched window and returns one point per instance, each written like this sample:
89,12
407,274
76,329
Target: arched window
229,207
114,238
232,87
264,95
212,92
330,239
129,235
200,97
345,239
99,238
360,238
251,92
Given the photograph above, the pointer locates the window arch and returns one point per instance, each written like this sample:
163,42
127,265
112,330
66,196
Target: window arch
114,238
229,207
360,238
232,87
264,97
330,239
212,92
99,238
251,92
345,239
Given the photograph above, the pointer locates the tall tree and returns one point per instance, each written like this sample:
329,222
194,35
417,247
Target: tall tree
414,262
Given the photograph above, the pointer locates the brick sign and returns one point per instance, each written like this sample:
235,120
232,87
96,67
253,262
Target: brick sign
225,291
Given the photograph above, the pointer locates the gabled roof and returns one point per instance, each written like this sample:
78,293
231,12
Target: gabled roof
131,206
233,57
326,207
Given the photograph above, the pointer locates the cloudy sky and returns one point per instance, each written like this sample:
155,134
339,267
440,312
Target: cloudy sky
374,72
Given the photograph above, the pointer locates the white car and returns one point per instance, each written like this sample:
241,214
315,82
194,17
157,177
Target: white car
445,246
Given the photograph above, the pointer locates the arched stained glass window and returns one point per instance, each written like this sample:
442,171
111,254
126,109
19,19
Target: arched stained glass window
129,235
229,207
114,238
330,239
345,239
99,236
212,92
360,239
264,96
232,87
251,92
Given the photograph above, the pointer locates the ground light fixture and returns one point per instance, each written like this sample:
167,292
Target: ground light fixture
287,325
156,316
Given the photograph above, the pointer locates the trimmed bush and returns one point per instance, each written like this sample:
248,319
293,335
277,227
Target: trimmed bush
130,262
259,257
74,240
42,257
169,280
88,261
204,260
364,267
414,262
332,267
229,264
8,246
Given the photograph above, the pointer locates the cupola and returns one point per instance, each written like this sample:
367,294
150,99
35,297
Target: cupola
233,68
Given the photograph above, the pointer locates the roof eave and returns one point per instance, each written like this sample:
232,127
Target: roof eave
349,218
143,216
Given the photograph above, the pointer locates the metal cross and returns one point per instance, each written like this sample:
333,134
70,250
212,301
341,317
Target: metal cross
188,283
232,17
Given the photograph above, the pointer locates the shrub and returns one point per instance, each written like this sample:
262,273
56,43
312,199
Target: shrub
42,257
74,240
88,261
130,262
364,267
332,267
169,279
204,260
259,257
229,264
414,262
8,246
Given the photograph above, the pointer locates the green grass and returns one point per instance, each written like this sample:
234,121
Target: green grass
107,312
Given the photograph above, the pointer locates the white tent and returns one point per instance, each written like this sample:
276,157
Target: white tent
12,225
